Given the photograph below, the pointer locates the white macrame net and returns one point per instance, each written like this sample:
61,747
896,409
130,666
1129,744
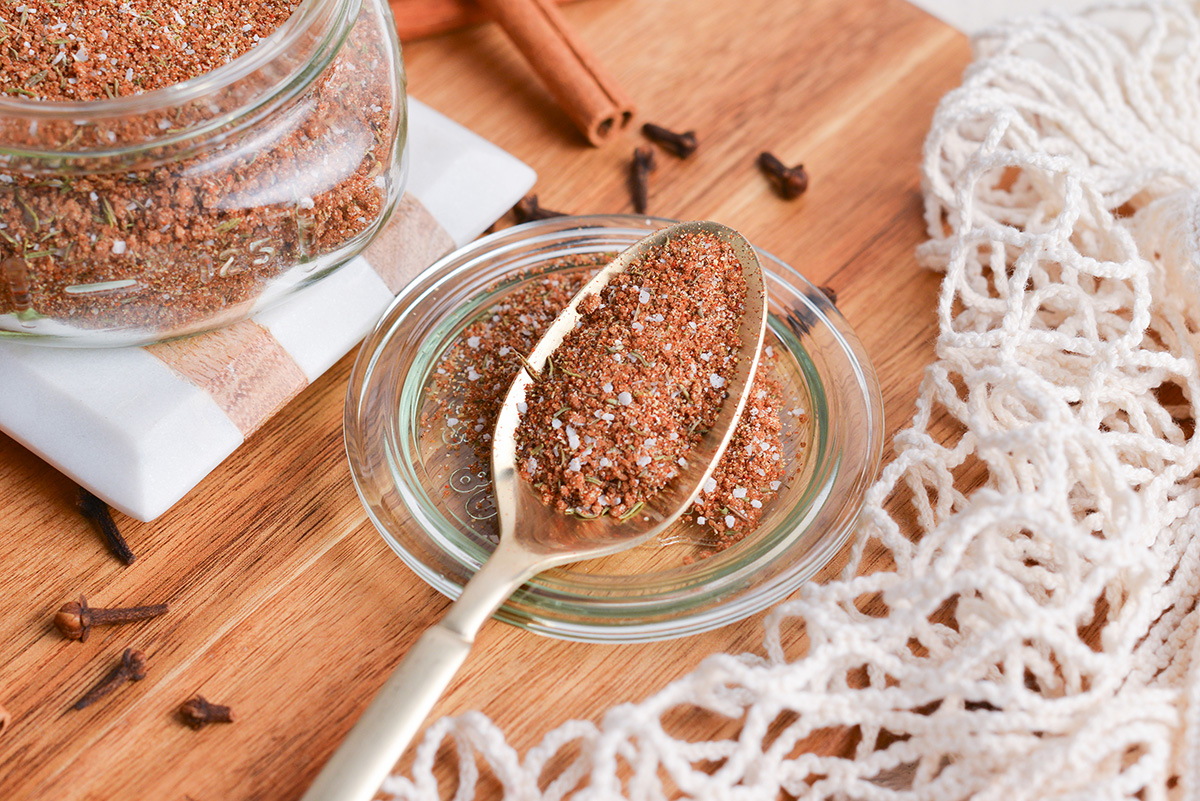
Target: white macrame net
1034,630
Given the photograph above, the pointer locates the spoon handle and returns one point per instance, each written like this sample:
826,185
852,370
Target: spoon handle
381,735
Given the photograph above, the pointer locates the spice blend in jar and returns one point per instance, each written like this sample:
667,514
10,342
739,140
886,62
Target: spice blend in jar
473,377
158,217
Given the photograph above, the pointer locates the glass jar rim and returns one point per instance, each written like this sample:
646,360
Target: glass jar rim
308,15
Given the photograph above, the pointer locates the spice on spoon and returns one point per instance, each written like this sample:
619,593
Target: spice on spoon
75,620
639,178
681,144
198,712
98,512
472,377
638,382
791,182
132,667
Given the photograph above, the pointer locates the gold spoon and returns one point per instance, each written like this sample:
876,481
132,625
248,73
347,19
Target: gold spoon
543,537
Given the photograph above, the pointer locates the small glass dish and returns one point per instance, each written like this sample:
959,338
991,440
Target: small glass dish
434,512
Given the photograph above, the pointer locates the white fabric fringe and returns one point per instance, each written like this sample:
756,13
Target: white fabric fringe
1037,638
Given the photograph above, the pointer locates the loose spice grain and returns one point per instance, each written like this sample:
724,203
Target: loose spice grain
182,243
472,379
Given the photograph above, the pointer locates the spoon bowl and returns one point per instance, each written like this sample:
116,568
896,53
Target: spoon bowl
534,536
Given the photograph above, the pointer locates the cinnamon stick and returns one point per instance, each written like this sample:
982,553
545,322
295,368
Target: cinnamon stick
575,77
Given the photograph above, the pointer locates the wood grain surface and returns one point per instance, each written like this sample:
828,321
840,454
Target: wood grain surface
285,603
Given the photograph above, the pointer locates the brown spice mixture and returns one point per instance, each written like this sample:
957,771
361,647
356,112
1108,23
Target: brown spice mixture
473,377
93,49
635,385
185,244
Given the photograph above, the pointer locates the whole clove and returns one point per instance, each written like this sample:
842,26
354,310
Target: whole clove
791,182
681,144
198,712
131,668
639,177
98,512
75,620
528,209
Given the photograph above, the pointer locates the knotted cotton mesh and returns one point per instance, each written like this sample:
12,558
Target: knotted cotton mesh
1034,633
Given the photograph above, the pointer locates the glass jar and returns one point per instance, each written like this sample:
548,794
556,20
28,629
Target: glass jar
415,476
140,218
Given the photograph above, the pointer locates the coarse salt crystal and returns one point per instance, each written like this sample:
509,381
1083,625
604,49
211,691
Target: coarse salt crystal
643,297
682,462
473,343
710,484
775,485
522,407
572,438
716,381
608,387
701,520
574,466
556,423
729,521
739,492
756,503
472,375
624,398
504,351
118,246
608,417
604,462
706,356
642,461
452,421
307,203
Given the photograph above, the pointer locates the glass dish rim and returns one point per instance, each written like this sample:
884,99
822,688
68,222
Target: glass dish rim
677,619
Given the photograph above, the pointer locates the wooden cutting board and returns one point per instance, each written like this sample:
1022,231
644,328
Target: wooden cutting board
285,602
